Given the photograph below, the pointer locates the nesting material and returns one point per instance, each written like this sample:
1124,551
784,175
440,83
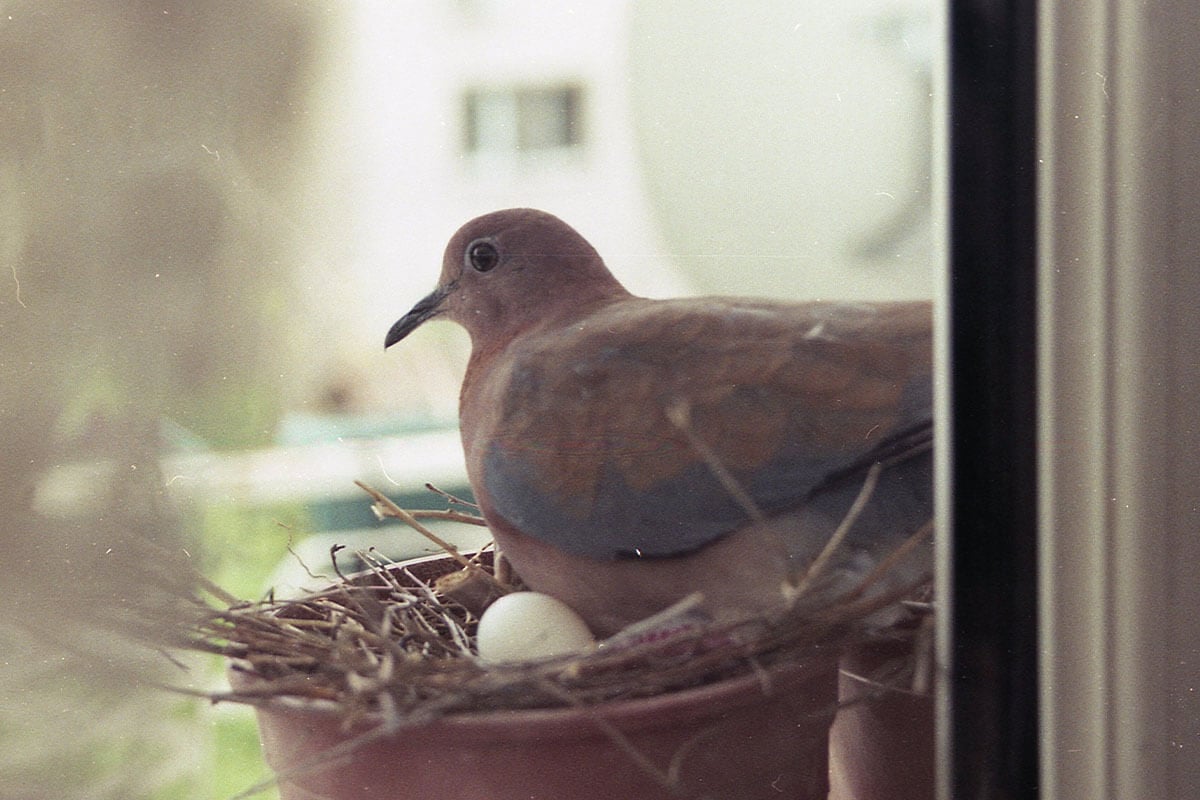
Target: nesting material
387,641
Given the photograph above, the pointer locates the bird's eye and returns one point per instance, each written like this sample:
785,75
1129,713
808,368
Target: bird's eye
482,256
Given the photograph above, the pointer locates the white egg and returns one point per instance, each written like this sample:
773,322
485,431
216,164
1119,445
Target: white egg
528,626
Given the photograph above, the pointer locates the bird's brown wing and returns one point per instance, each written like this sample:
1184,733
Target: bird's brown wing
655,427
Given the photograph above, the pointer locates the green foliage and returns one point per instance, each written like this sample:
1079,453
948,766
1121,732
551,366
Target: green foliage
241,548
242,545
239,764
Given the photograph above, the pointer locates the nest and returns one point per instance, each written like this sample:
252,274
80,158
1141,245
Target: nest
397,641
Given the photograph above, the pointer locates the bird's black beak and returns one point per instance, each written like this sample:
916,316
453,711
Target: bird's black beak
427,307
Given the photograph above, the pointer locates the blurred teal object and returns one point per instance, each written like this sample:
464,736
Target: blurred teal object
362,433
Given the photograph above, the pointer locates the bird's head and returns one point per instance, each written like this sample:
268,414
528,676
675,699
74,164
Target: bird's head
508,270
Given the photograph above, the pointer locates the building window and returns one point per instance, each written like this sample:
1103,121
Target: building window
519,119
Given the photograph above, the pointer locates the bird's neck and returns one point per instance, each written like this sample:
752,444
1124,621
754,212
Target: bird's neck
489,350
494,329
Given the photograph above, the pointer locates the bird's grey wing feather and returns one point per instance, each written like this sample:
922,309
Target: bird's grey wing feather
660,429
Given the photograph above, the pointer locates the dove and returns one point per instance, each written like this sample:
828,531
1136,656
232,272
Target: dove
629,452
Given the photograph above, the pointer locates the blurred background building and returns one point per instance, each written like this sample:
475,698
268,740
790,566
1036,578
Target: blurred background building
212,211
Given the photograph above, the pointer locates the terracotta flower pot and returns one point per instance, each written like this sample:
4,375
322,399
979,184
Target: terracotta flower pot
762,735
882,744
731,739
